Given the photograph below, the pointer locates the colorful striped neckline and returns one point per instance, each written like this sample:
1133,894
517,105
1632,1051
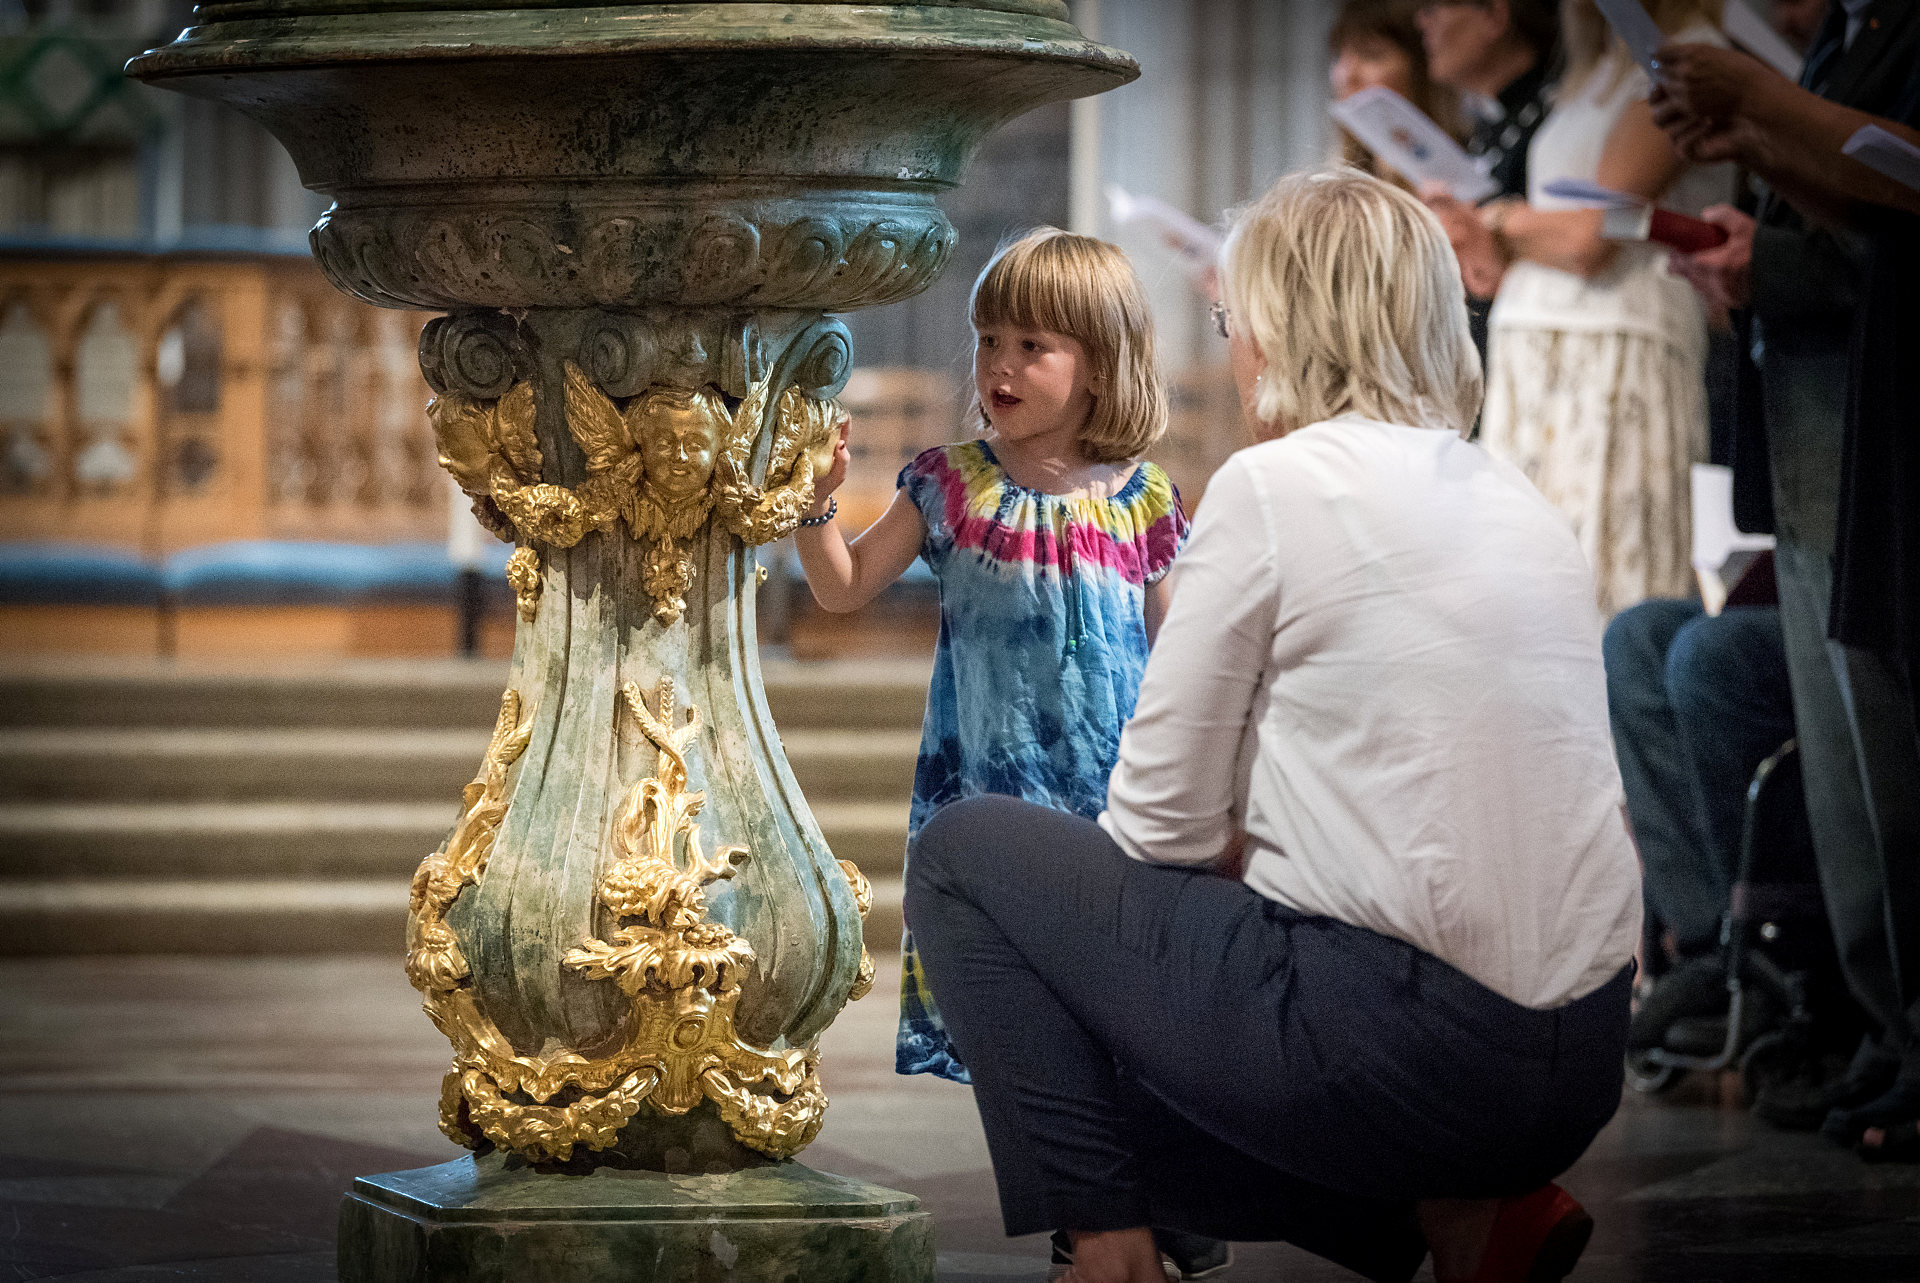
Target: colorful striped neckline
1124,494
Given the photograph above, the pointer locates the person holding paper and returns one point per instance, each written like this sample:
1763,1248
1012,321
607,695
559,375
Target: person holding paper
1501,54
1828,458
1376,44
1596,359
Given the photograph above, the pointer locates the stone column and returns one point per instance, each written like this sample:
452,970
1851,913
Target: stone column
637,219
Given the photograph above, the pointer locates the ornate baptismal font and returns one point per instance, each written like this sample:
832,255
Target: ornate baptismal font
637,219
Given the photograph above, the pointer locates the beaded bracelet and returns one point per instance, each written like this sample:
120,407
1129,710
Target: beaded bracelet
833,506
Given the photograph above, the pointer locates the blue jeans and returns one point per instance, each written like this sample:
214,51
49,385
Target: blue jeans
1697,702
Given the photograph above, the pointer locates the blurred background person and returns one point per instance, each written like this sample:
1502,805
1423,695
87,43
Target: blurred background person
1824,277
1500,55
1377,44
1596,355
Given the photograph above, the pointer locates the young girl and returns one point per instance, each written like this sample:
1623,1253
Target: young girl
1050,541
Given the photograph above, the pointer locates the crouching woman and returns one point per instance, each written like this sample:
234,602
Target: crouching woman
1377,708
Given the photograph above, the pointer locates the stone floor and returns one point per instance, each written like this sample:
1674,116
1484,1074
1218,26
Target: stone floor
198,1119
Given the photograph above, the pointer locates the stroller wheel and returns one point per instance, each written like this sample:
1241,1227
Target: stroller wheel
1649,1077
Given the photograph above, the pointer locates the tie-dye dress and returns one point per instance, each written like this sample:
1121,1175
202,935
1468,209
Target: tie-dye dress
1042,642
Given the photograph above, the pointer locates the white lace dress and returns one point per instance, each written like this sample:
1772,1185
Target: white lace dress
1595,386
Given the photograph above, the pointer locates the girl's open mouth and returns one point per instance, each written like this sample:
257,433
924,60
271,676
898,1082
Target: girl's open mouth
1005,400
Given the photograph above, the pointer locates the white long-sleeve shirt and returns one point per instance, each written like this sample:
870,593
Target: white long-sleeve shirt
1382,661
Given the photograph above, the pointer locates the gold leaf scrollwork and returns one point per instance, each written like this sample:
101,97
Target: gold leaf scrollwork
677,1045
670,460
684,971
863,901
804,432
523,576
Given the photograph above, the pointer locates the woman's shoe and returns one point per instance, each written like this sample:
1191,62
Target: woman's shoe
1898,1103
1536,1238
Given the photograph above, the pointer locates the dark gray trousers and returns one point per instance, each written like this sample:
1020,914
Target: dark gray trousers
1852,708
1162,1046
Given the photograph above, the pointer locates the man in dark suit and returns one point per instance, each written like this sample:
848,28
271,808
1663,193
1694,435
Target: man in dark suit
1801,275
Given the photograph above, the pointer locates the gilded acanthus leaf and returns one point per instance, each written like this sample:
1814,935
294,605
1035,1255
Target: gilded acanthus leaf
594,423
803,430
513,420
684,973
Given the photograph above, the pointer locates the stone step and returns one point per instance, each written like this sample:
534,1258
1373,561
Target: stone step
866,765
141,764
249,916
214,841
202,764
871,834
321,840
415,695
254,915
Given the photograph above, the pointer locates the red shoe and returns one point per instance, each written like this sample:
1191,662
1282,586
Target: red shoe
1536,1238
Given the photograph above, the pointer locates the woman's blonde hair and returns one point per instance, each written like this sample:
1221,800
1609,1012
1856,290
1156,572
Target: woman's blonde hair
1086,289
1349,287
1590,41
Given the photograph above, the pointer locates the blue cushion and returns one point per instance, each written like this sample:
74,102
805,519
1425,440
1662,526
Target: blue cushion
78,574
268,572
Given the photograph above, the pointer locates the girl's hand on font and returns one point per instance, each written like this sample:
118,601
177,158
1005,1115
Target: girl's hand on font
836,474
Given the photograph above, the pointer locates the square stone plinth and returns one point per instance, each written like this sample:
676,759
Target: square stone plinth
492,1219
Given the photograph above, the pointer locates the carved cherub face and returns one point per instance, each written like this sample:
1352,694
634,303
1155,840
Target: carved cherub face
679,435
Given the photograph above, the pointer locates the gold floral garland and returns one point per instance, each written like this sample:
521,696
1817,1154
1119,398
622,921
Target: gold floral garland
493,453
683,972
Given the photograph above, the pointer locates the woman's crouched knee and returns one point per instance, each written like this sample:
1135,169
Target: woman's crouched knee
946,851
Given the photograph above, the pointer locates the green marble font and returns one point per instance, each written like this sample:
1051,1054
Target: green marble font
638,220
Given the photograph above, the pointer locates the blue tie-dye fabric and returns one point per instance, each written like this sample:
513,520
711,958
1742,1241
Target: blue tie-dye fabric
1042,644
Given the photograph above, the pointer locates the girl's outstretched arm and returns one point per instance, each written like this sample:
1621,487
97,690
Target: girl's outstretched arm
846,576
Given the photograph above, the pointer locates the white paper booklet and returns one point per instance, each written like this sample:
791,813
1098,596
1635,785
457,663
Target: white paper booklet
1197,244
1750,31
1636,29
1889,153
1406,138
1721,552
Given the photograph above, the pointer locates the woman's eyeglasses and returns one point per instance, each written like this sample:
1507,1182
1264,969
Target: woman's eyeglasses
1219,313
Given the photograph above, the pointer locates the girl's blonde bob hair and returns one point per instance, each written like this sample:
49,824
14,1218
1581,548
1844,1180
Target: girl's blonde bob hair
1350,290
1085,289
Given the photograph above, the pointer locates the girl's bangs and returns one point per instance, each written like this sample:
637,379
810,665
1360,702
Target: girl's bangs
1039,285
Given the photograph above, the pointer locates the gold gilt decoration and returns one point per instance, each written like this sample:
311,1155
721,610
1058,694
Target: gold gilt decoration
665,464
677,1045
804,433
523,576
863,901
682,970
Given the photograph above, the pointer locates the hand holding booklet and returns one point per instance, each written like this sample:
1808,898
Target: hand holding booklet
1631,218
1886,152
1197,244
1406,138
